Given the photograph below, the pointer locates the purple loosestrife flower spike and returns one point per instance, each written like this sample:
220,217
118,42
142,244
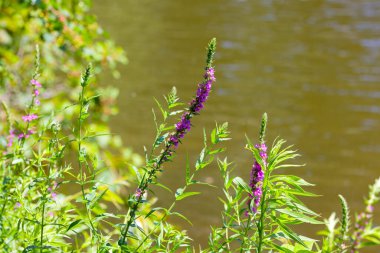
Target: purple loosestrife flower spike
364,219
256,180
196,105
184,125
181,128
257,172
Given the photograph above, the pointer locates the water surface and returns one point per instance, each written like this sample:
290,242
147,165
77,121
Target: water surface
313,66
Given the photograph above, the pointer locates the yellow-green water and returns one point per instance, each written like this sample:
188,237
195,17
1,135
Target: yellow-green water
313,66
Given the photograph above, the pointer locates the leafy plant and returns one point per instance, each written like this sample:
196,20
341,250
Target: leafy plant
68,185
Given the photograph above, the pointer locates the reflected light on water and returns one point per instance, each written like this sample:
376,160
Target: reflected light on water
313,66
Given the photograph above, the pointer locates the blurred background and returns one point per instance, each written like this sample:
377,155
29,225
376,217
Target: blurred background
313,66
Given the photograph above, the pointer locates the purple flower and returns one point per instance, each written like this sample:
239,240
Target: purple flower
138,193
35,83
29,117
10,138
30,132
203,91
256,180
37,102
36,92
369,209
183,126
362,221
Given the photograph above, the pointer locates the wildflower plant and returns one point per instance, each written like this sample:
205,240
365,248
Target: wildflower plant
341,236
365,233
169,140
259,216
56,194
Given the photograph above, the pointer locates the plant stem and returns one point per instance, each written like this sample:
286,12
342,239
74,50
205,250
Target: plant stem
143,186
163,217
260,224
88,211
42,225
245,235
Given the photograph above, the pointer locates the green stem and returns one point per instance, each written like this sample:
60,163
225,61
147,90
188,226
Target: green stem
143,186
3,208
260,225
88,211
42,225
245,235
156,226
146,181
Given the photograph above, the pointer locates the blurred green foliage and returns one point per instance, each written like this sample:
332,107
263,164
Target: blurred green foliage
68,37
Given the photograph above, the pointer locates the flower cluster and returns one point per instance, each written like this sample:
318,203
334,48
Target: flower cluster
20,135
256,180
364,219
51,191
203,91
13,133
182,128
36,91
138,193
29,117
184,125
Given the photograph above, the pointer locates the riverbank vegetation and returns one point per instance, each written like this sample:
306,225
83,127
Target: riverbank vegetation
69,185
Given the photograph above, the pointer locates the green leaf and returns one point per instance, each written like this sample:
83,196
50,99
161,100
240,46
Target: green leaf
240,182
371,237
187,170
302,208
160,140
163,186
175,112
286,230
182,216
300,193
152,211
94,97
290,179
214,137
281,249
73,224
299,216
98,197
186,194
163,112
217,151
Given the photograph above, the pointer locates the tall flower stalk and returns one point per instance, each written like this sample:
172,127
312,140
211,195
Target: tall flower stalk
258,168
83,114
23,134
256,180
258,183
181,128
364,219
